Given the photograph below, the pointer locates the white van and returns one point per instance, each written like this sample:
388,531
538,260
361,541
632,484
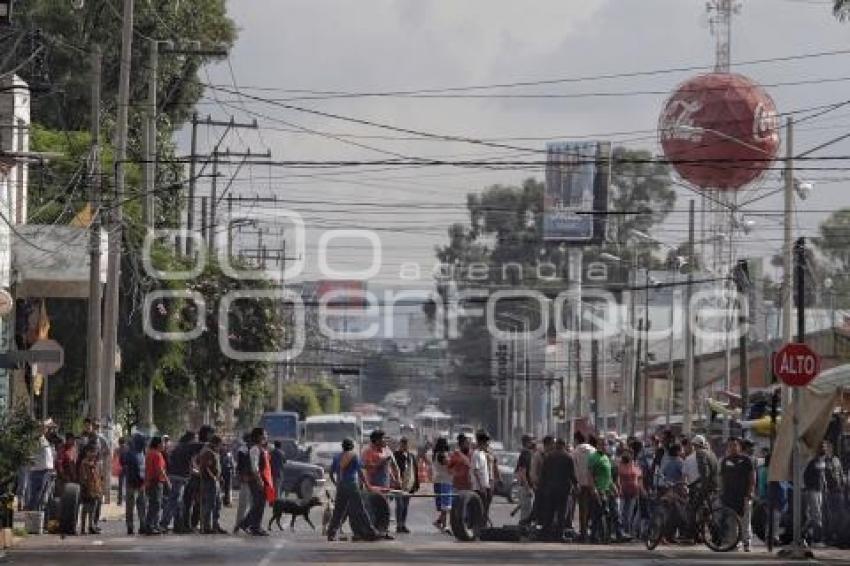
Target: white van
323,435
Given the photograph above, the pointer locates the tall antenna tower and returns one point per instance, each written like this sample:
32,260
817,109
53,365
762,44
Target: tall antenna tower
720,14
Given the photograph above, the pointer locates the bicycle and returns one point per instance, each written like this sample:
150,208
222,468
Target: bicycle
715,525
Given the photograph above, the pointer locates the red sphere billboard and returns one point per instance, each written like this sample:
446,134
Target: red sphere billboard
719,131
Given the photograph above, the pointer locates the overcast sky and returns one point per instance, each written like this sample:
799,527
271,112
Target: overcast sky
386,45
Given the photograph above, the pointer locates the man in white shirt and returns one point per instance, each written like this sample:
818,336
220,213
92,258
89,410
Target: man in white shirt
481,470
41,469
584,478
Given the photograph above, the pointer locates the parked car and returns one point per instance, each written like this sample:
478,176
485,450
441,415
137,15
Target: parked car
507,486
300,477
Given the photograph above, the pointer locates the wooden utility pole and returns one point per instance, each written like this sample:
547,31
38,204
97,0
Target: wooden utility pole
93,335
636,382
688,401
742,283
149,136
193,179
111,307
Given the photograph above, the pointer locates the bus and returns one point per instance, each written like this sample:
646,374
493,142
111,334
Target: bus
280,425
431,423
323,435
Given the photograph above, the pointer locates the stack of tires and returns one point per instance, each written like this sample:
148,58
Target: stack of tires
69,503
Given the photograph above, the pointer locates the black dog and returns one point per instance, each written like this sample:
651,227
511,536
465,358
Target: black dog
296,509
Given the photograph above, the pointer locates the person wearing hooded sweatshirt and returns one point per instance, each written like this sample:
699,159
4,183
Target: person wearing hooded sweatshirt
133,464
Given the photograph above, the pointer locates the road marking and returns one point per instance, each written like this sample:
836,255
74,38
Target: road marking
267,559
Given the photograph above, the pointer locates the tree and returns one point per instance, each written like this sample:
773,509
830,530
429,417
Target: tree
60,78
255,325
327,395
18,439
641,188
505,229
70,34
833,244
302,399
841,9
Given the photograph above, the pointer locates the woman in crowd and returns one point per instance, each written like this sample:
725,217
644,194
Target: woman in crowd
442,482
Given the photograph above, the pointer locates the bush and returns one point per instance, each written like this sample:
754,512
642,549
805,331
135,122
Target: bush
19,434
301,398
328,396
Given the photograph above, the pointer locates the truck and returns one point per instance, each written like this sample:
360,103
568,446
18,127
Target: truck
299,475
323,435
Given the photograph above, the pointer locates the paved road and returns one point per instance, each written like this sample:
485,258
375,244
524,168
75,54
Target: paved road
304,546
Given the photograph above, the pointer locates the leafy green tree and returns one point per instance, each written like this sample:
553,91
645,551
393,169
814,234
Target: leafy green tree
301,398
19,434
833,244
70,34
61,105
505,228
254,325
328,395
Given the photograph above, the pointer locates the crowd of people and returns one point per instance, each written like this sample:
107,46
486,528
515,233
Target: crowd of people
590,489
614,487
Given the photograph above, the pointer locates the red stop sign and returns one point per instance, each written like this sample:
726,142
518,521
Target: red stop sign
796,364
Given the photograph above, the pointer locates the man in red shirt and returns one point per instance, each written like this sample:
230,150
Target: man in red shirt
460,464
155,478
378,461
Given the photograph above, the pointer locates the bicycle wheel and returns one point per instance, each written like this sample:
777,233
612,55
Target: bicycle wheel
655,529
721,529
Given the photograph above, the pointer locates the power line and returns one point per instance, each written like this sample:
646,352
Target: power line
586,78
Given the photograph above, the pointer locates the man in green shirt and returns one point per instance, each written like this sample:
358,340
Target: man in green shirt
605,498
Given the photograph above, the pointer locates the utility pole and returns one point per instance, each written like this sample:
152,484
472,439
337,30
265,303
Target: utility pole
742,283
687,405
149,139
95,378
213,198
148,213
193,179
636,384
204,218
110,334
594,378
797,550
788,247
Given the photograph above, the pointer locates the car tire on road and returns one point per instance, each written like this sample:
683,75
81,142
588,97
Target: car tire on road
467,516
379,511
70,502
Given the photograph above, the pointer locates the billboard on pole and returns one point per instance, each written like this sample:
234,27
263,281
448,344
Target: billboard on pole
575,201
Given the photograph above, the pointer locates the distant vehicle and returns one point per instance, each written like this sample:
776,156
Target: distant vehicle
323,435
282,425
431,423
466,429
300,477
507,486
371,423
